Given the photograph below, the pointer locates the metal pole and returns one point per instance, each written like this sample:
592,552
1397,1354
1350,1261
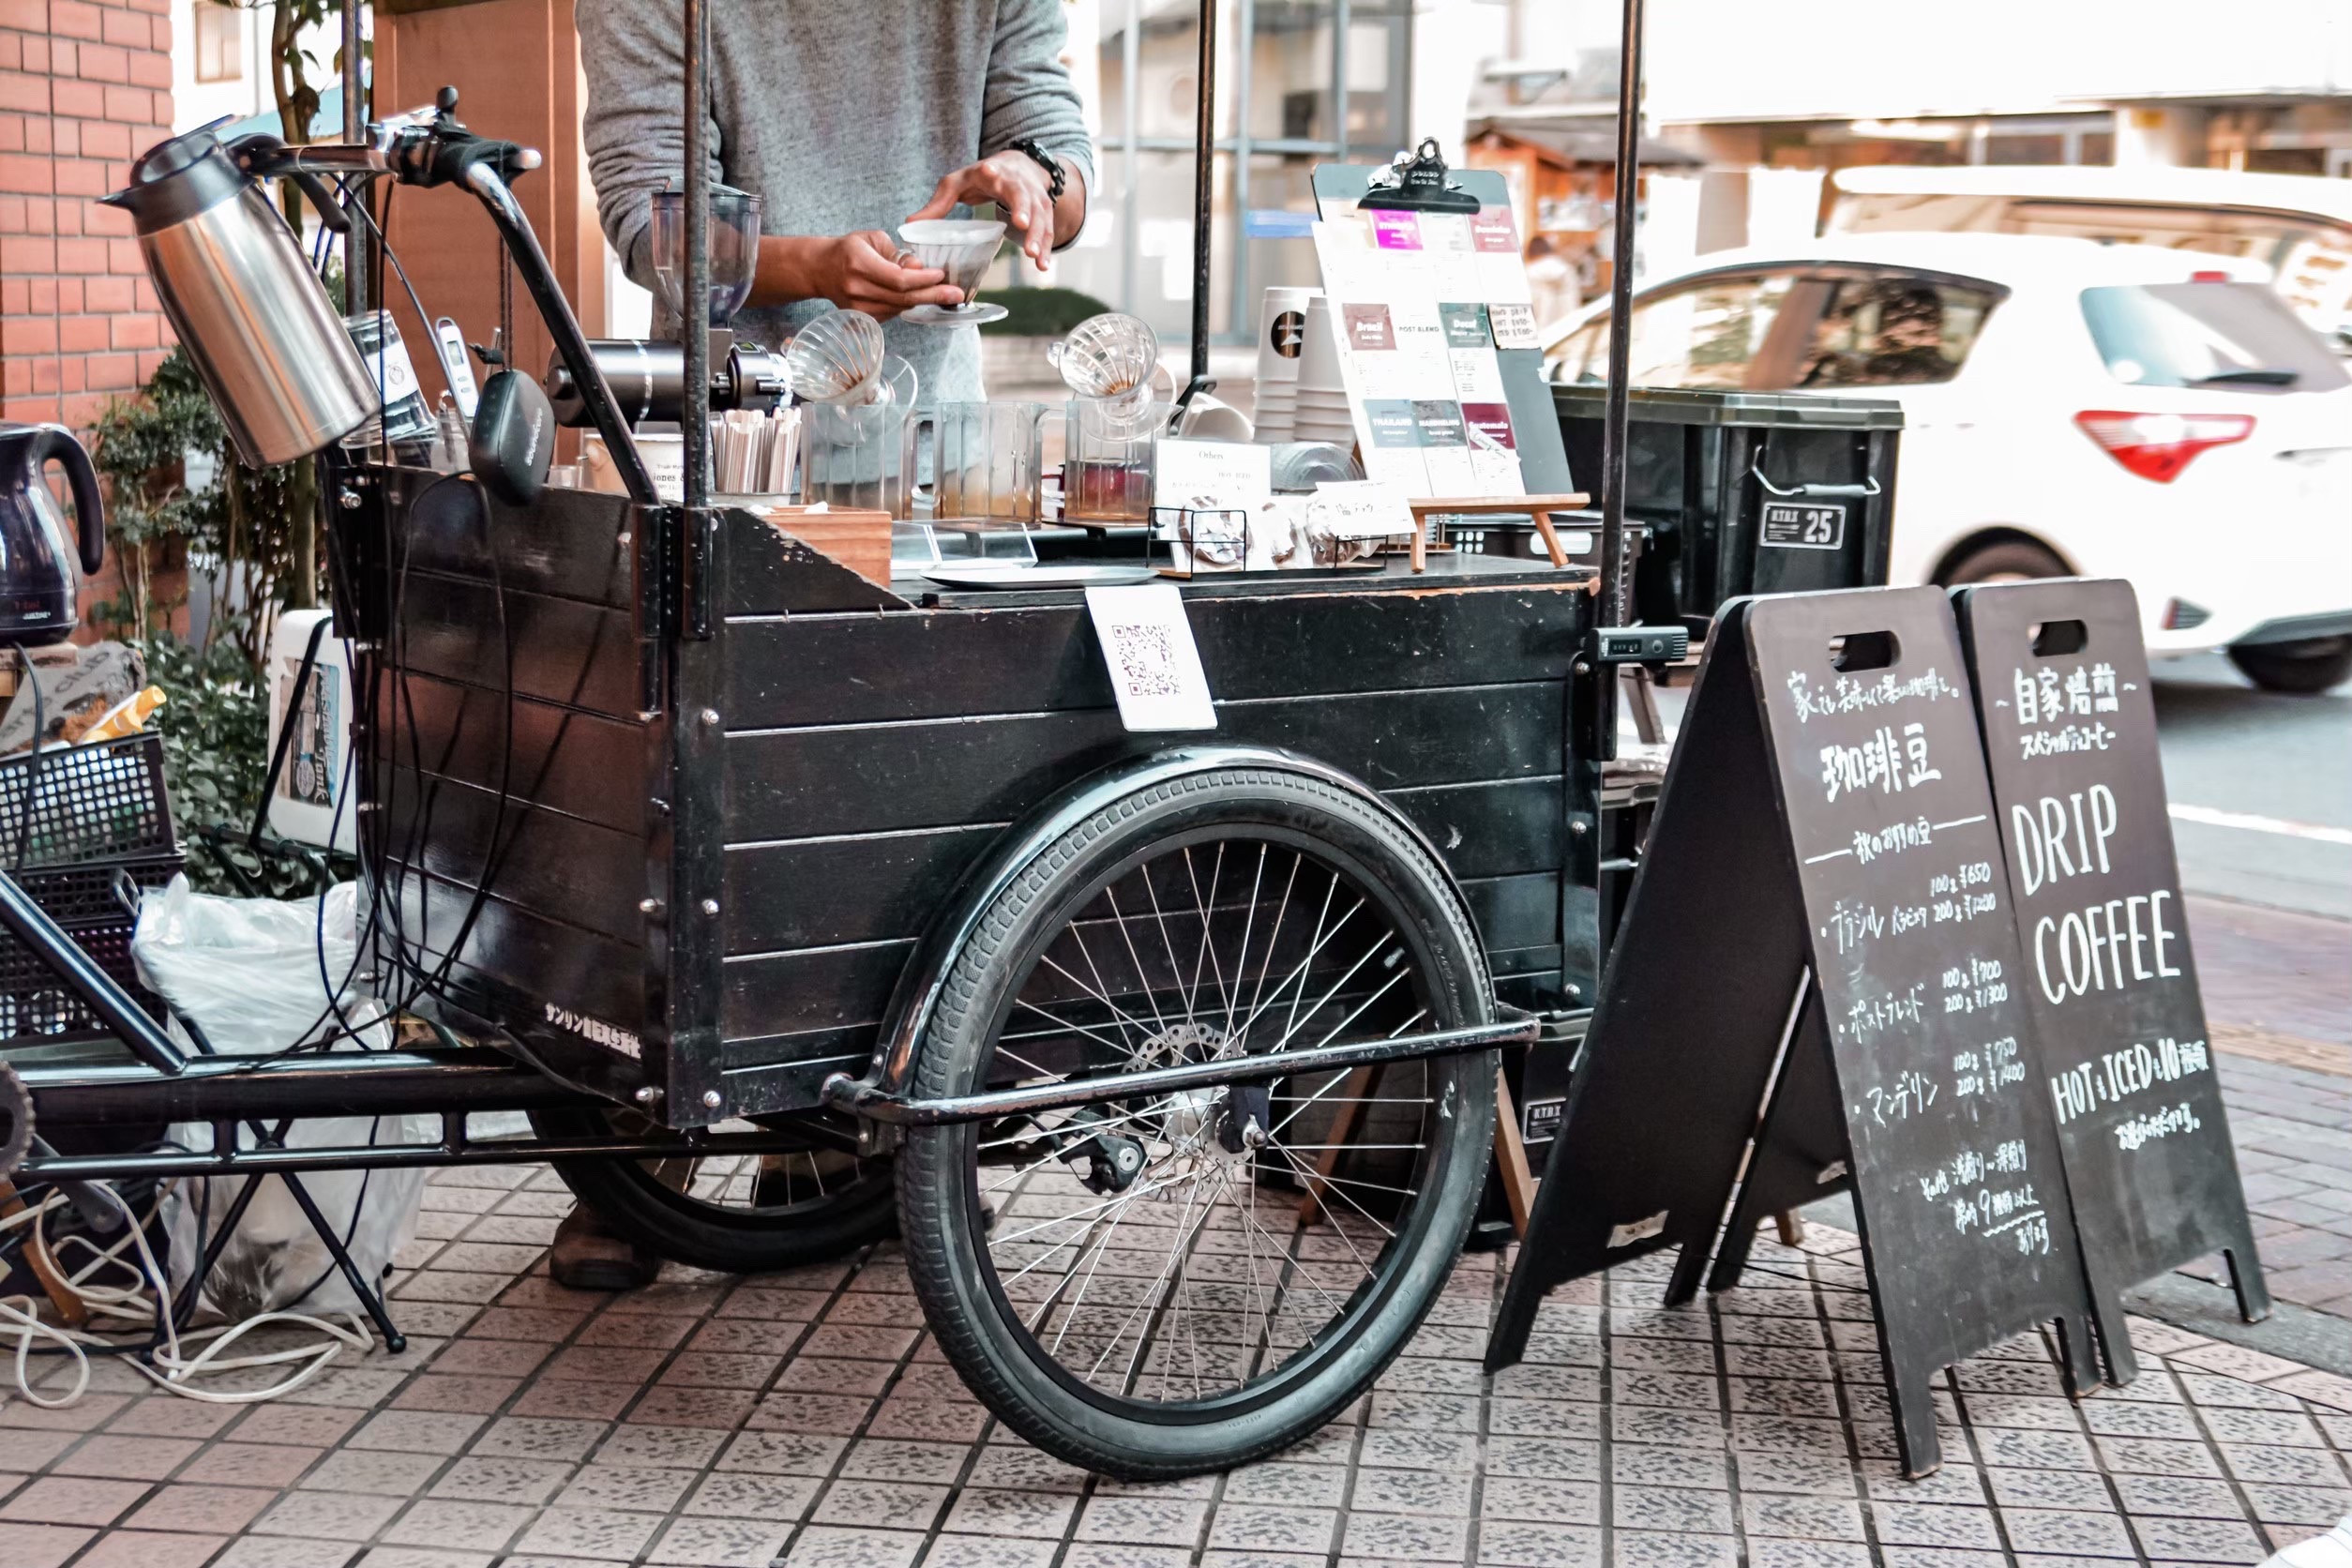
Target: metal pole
356,291
695,416
1614,413
1204,168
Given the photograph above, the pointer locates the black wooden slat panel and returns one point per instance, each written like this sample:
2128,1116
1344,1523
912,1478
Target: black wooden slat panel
826,892
827,987
1490,830
872,777
751,1053
842,670
580,655
541,957
816,893
585,874
788,1072
569,544
1514,912
573,763
1522,962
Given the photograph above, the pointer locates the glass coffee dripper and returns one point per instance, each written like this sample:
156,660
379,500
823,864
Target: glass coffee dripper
837,359
963,248
734,229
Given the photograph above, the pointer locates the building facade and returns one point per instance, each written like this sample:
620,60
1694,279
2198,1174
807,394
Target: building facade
83,84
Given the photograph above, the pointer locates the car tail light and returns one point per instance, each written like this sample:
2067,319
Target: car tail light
2159,445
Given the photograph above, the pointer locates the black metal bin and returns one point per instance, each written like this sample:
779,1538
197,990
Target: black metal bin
1746,492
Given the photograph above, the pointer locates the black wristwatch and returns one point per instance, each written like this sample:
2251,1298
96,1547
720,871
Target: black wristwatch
1046,160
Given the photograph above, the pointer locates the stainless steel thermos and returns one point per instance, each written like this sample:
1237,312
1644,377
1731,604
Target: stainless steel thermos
278,362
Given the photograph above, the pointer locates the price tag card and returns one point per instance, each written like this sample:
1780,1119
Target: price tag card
1212,475
1154,664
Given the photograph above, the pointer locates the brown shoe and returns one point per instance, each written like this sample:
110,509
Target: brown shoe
590,1254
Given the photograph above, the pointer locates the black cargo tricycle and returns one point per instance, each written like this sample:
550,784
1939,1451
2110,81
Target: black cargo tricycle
791,907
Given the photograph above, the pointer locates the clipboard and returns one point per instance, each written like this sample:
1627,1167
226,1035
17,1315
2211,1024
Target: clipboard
1535,420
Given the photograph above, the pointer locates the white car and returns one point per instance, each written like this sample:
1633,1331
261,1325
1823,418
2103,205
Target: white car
2070,408
2300,226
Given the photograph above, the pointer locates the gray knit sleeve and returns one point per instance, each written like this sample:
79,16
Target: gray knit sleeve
634,124
1028,92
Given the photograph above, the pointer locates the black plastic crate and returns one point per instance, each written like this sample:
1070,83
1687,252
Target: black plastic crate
96,904
36,1004
92,825
94,893
100,802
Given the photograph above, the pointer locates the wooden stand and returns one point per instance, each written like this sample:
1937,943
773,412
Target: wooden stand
1538,507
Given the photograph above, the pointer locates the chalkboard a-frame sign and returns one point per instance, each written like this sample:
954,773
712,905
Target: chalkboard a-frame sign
2069,735
1821,936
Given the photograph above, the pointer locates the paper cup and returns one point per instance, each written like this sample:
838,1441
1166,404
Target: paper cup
1282,333
1318,356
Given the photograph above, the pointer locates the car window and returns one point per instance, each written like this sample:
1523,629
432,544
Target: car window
1893,331
2239,336
1775,332
1706,335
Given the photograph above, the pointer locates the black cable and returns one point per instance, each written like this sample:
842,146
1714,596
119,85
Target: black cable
433,983
494,854
392,257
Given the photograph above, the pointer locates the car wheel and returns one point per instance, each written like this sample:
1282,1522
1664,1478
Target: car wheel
2006,561
2306,668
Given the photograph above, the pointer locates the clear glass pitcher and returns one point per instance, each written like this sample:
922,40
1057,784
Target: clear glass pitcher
980,461
1108,459
861,454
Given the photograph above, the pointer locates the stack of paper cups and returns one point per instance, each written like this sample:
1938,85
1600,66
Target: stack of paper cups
1281,331
1319,411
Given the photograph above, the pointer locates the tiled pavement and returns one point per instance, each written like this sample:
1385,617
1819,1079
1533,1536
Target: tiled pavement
808,1419
2293,1133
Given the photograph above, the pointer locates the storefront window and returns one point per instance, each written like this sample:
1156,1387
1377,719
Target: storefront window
1290,70
1378,37
1289,96
219,41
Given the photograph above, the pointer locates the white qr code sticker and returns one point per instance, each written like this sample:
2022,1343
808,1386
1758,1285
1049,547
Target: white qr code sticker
1154,664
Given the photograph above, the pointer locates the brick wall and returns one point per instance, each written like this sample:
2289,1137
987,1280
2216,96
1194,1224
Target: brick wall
84,86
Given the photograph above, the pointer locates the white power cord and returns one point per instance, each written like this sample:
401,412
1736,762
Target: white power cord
172,1369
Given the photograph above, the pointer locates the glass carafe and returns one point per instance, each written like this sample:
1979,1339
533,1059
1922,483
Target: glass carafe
983,462
860,457
1108,459
862,453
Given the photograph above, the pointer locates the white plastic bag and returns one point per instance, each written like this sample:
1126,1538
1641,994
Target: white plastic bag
248,972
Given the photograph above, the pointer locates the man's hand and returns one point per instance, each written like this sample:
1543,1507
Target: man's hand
1019,186
858,271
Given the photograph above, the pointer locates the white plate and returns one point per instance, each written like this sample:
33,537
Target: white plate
1012,574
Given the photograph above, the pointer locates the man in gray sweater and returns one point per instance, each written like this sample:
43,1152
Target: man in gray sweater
848,119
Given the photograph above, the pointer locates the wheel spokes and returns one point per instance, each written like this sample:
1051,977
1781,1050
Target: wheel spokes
1158,1248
